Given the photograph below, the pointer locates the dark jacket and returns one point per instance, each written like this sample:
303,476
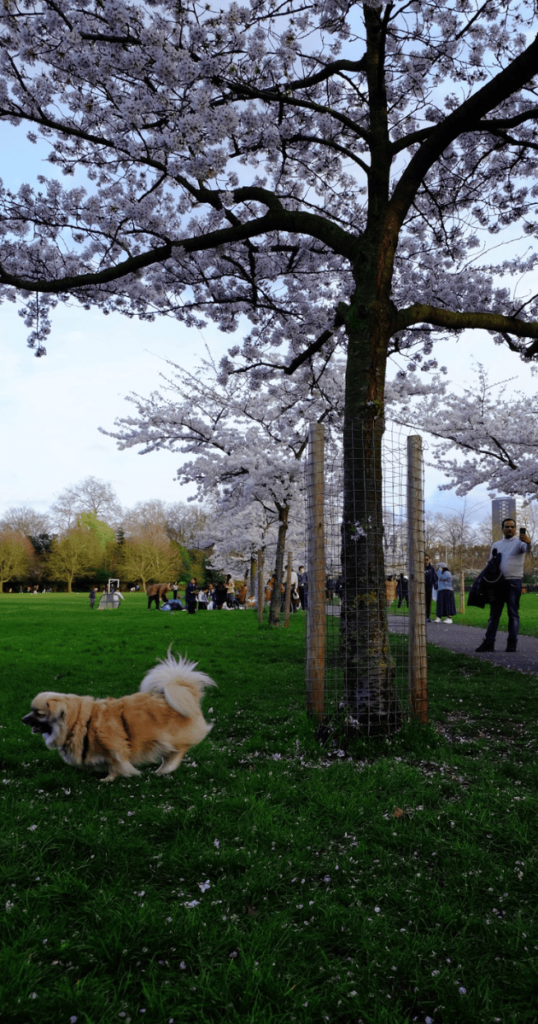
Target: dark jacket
430,577
483,589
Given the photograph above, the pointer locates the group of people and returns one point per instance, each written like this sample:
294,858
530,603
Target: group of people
298,590
212,597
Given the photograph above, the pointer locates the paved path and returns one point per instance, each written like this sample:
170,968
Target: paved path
465,640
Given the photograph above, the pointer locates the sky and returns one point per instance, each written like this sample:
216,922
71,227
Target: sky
51,408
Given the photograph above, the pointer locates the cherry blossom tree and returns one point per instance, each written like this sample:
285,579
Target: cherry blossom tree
482,438
247,447
329,170
236,538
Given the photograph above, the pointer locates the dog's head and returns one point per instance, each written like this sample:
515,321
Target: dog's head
47,715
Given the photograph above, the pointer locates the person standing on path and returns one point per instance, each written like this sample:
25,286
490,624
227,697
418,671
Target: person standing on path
430,580
508,590
302,585
446,605
230,591
402,590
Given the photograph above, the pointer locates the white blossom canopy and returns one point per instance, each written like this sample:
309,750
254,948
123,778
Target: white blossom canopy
248,160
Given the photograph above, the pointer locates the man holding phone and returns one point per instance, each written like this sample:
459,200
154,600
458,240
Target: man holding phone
508,590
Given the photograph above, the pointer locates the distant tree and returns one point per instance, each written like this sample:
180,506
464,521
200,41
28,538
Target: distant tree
73,555
150,514
186,524
104,534
182,522
15,553
150,557
25,520
90,495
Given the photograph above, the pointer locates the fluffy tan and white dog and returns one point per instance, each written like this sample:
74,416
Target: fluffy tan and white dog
160,723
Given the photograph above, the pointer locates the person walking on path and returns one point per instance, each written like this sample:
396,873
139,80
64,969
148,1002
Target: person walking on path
508,590
93,595
430,579
446,605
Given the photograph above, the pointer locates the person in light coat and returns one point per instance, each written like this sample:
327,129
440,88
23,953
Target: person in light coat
446,605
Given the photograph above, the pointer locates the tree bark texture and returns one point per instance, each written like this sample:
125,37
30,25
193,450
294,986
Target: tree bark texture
369,670
276,597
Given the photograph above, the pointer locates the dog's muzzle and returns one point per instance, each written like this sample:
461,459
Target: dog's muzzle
38,724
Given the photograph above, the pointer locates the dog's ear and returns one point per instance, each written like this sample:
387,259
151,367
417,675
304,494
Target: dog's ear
54,707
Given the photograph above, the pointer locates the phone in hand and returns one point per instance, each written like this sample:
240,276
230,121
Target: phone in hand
522,531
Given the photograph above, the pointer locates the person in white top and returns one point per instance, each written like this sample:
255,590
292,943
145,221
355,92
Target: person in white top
512,550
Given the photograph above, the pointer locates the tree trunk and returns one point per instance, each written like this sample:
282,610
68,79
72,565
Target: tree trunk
276,597
368,667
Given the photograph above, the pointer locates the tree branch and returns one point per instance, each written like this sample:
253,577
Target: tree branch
466,118
505,325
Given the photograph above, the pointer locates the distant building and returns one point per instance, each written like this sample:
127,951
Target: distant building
501,508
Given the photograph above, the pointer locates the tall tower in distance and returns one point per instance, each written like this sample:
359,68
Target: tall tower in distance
501,508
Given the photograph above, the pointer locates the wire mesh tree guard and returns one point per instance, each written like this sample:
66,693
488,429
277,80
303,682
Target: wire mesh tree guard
366,663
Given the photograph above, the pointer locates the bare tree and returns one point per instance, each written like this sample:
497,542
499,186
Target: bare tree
186,524
145,515
25,520
89,495
182,523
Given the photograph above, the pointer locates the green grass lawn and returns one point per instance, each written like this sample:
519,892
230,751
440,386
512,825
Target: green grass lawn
267,880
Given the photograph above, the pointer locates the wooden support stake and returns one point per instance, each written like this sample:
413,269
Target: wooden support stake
462,593
261,587
418,664
287,595
252,575
315,632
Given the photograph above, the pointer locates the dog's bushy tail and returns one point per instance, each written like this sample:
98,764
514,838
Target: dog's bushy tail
177,679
